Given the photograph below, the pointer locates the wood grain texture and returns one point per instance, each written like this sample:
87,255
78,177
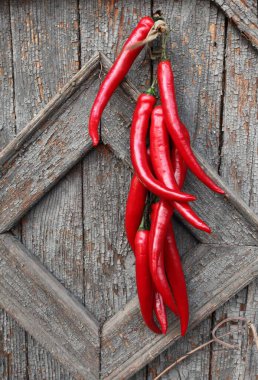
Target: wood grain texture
64,129
13,345
242,15
105,26
239,167
46,51
13,349
47,311
196,367
212,275
7,116
60,201
109,262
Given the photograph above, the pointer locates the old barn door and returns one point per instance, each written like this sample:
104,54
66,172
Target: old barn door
67,287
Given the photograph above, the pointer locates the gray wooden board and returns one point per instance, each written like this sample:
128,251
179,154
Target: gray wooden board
213,273
104,27
52,141
239,167
13,346
46,55
243,16
47,311
7,116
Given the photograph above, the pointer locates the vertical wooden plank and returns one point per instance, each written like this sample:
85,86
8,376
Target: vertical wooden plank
239,167
109,265
12,337
105,25
7,116
46,55
13,348
196,48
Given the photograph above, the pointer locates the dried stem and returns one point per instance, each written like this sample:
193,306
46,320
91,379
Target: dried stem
217,340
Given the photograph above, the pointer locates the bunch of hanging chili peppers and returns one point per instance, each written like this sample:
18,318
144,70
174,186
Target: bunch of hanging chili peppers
159,173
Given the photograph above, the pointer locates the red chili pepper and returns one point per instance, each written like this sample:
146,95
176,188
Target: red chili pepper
116,74
133,216
163,168
177,130
140,123
179,167
143,280
176,278
134,208
173,265
160,311
160,218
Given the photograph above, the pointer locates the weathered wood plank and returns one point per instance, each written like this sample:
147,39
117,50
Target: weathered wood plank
35,127
239,167
213,276
13,349
45,51
104,27
60,141
109,263
46,47
13,345
193,368
243,17
7,116
47,311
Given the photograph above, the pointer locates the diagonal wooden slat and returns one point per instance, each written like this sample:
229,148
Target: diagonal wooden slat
40,304
243,17
214,273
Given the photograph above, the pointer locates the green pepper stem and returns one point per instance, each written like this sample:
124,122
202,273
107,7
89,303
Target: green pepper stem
142,225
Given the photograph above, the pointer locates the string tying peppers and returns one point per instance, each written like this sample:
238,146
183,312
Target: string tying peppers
159,175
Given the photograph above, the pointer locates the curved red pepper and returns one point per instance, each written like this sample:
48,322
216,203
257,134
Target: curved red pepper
177,130
140,123
116,74
173,265
134,208
160,311
160,219
163,168
133,216
143,280
176,278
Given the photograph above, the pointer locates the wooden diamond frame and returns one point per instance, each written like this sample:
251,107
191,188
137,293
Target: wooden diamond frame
43,152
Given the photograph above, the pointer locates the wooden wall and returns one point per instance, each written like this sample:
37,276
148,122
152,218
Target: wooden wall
77,229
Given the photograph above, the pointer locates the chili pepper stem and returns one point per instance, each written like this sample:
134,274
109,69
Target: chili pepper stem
142,225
